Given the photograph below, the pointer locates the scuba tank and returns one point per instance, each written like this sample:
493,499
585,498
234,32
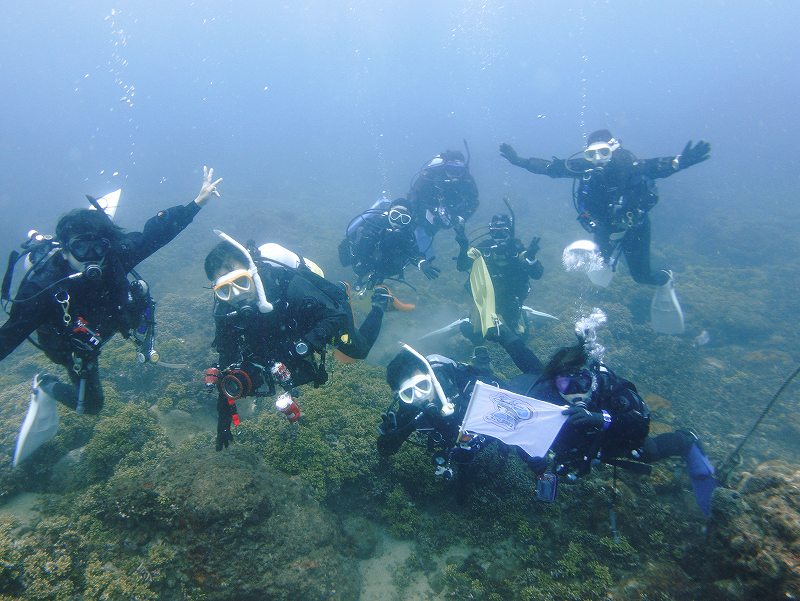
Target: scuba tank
36,251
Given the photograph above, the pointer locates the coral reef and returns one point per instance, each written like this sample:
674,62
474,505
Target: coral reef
755,536
182,524
129,510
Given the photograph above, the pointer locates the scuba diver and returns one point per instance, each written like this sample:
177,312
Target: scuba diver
613,192
442,194
510,265
607,420
76,295
380,244
275,316
431,395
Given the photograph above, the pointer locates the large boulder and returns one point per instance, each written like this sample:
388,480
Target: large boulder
755,535
238,529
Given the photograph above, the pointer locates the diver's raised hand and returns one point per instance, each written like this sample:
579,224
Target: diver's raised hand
692,155
507,151
459,229
533,248
209,187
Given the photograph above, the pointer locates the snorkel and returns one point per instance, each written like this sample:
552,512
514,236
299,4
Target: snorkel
264,306
447,407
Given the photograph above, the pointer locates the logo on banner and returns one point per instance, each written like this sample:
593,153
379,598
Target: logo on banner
508,412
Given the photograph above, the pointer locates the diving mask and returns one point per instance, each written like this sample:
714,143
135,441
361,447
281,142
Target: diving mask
416,389
398,217
455,170
599,153
264,306
88,247
575,387
235,283
500,233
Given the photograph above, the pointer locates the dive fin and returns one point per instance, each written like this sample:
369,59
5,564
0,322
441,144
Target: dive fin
701,473
397,305
342,358
666,316
108,202
172,365
534,312
448,328
40,424
480,283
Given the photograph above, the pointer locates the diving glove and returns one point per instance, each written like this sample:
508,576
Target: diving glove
692,155
429,270
581,417
388,423
507,152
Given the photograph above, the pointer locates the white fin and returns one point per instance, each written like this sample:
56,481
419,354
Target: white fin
109,202
666,316
535,313
449,327
40,425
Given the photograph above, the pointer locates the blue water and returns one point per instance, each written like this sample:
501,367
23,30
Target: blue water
342,100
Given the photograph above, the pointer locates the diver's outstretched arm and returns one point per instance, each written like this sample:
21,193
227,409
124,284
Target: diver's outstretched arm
552,168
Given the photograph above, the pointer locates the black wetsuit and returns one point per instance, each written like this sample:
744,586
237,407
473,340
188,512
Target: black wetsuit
381,252
438,203
613,202
301,312
75,318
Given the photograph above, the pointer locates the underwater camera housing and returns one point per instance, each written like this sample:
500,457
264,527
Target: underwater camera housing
442,467
547,487
241,380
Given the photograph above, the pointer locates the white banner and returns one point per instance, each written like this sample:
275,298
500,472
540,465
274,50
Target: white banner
515,419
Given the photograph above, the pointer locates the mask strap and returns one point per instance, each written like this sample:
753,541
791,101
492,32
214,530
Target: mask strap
263,305
447,407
